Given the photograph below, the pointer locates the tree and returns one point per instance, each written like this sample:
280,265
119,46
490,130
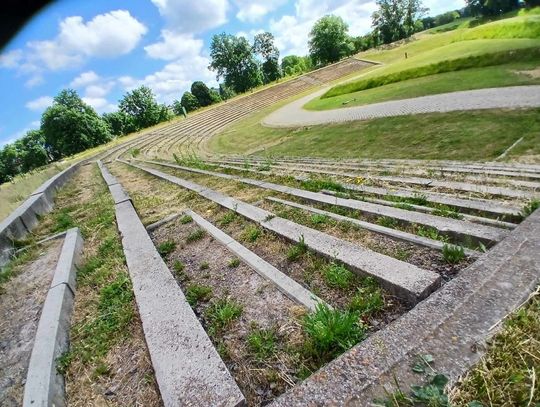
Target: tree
70,125
329,41
294,65
140,104
119,123
10,164
484,8
225,92
532,3
190,102
32,150
396,19
263,44
204,95
233,59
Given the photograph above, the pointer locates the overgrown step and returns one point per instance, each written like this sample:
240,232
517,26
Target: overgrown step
188,369
405,280
453,227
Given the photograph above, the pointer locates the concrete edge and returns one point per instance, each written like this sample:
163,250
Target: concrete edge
44,385
284,283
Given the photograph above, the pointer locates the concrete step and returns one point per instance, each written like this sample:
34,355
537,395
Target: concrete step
188,369
457,229
402,279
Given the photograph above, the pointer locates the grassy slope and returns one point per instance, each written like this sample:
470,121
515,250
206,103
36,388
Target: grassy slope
475,135
476,78
430,48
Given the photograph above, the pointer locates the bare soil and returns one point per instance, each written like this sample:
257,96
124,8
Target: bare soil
20,309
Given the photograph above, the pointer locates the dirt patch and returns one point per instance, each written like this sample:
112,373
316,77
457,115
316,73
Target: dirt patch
20,310
531,73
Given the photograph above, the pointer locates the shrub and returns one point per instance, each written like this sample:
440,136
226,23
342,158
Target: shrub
453,254
338,276
332,331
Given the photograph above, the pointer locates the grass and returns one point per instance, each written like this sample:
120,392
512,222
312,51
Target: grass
507,373
15,265
298,250
387,222
453,254
196,293
529,208
453,136
204,265
166,248
337,276
223,312
251,233
469,79
233,263
228,218
332,331
368,299
432,67
262,342
185,219
317,184
197,234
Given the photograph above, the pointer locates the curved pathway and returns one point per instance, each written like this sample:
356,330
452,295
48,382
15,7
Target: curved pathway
293,115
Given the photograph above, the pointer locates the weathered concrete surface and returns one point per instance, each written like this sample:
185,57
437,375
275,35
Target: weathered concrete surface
44,385
485,234
187,367
394,233
405,280
283,282
452,325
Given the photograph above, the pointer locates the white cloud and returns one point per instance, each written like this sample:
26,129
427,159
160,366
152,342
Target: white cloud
101,105
174,46
11,59
34,80
250,34
40,103
84,79
254,10
186,16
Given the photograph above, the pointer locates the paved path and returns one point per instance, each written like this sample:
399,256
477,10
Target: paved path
293,115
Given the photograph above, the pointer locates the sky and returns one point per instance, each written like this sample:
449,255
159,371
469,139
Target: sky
105,48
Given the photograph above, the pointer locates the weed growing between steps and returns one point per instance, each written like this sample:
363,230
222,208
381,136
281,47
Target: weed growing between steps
108,358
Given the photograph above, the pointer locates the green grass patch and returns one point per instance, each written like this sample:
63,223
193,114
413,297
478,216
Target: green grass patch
529,208
331,332
298,250
197,234
228,218
450,136
368,299
317,184
453,254
223,312
234,263
186,219
448,65
336,275
204,265
166,248
251,233
197,292
262,342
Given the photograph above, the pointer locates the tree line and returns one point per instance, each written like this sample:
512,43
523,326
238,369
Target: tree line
70,126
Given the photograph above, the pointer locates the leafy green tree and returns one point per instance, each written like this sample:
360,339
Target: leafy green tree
329,41
119,123
140,104
225,92
70,125
204,94
294,65
233,59
32,150
396,19
190,102
10,163
263,45
484,8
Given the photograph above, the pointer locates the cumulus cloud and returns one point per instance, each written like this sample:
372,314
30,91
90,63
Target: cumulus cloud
186,16
40,103
11,59
174,46
254,10
84,79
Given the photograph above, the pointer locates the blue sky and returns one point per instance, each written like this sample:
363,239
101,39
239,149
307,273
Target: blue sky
104,48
